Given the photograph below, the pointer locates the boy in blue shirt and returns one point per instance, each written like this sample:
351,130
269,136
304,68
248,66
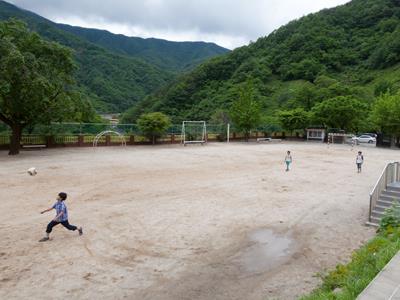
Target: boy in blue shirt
61,217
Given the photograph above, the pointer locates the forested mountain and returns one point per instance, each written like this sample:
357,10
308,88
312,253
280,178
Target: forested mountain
172,56
117,77
351,50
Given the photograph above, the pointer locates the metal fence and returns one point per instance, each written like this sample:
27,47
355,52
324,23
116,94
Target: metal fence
83,134
94,128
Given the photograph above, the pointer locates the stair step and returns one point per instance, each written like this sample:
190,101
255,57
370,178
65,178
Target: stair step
389,198
391,193
385,203
378,214
393,188
381,208
374,221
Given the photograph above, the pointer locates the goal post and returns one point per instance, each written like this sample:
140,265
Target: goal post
194,132
341,138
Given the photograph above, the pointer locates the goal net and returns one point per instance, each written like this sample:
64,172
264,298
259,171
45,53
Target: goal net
341,138
194,132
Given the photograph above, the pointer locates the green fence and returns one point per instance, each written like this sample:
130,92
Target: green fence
85,133
128,129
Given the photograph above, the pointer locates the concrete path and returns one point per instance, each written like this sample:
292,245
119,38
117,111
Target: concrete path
386,285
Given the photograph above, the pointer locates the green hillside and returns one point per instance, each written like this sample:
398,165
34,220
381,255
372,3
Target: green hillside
114,80
172,56
351,50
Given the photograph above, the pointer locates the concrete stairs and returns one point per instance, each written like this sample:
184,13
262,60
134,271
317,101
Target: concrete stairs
387,198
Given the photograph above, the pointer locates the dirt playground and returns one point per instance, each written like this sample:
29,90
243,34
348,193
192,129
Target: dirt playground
170,222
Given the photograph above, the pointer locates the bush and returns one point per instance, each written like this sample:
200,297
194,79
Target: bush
391,219
346,282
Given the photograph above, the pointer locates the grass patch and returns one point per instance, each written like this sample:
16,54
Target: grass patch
346,282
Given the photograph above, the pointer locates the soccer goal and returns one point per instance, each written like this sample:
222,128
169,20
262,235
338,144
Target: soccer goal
342,138
194,132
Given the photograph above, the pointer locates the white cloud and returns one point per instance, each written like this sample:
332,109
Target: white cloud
167,33
230,23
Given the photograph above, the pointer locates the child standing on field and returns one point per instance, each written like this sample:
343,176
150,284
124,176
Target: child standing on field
288,160
359,161
61,217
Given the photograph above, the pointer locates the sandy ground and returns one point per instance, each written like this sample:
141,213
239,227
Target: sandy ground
170,222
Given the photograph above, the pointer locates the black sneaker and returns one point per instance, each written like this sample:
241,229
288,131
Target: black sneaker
45,239
80,230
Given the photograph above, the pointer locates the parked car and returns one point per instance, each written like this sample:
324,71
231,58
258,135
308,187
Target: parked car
374,135
364,138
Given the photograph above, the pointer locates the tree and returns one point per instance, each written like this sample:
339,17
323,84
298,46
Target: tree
131,115
154,125
36,78
386,114
344,112
245,112
383,87
305,96
220,119
307,69
294,119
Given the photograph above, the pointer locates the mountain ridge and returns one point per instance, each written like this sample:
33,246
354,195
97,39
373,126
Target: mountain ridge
340,51
179,53
114,81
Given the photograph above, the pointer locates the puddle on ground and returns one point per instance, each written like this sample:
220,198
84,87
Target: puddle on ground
266,251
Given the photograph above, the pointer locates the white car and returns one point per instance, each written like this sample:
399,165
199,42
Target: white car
364,139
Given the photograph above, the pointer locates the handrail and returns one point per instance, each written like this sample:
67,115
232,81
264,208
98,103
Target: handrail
383,183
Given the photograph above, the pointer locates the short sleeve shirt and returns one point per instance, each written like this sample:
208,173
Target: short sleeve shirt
60,206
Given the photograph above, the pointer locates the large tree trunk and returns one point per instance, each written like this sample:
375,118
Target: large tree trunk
15,142
246,136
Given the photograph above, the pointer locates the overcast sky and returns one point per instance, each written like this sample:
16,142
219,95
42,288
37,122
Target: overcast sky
229,23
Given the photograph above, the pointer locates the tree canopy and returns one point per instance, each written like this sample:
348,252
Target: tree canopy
342,112
154,125
246,110
294,119
386,114
36,82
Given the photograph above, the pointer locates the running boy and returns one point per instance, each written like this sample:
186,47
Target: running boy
288,160
359,161
61,217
